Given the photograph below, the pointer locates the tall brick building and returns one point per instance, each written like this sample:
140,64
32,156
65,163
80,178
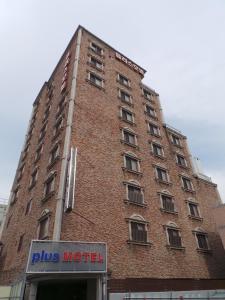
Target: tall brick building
101,171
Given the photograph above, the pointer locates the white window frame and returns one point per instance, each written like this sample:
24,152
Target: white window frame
44,216
99,78
157,145
129,112
135,185
148,92
129,101
185,161
122,79
158,134
183,185
179,144
94,45
98,65
154,115
166,172
199,231
173,226
192,202
139,220
127,130
161,202
132,156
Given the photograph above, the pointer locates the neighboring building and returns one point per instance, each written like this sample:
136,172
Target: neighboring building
3,207
100,166
219,214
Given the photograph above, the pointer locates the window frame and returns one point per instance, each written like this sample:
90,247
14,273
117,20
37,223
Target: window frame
126,111
200,232
95,65
123,80
152,127
173,227
187,179
123,99
34,177
183,165
96,48
133,158
98,77
137,186
139,220
149,98
148,109
157,145
49,185
160,178
162,206
131,133
196,205
175,140
44,218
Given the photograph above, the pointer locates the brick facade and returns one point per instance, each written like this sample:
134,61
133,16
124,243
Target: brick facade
102,211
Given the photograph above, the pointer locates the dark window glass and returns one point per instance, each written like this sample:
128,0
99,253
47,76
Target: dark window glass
181,160
127,116
167,203
129,137
157,150
135,194
174,237
194,209
202,241
162,174
138,232
131,163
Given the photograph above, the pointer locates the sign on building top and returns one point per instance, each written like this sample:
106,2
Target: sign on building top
129,63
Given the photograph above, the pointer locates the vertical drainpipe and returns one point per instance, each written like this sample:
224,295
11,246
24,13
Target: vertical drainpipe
66,149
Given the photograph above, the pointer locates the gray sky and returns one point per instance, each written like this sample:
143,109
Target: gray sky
181,44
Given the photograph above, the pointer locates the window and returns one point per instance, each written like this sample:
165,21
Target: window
28,207
20,172
127,116
49,184
202,240
123,80
157,150
154,129
46,113
175,140
193,209
42,132
162,175
97,49
147,94
95,79
174,237
150,111
38,152
181,161
8,222
138,230
124,96
129,137
43,230
167,203
20,244
15,195
58,126
95,63
61,106
54,154
135,194
131,163
187,184
33,179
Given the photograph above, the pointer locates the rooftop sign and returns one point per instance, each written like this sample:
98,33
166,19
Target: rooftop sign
130,63
66,257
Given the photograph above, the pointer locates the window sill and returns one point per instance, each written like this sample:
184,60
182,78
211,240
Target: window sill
187,190
129,144
158,156
148,99
138,243
94,84
97,53
183,167
57,134
125,85
47,197
207,251
53,163
132,171
127,121
135,203
169,211
195,218
32,186
150,116
126,102
180,248
95,67
163,182
178,146
153,134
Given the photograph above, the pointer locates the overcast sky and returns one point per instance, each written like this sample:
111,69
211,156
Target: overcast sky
181,44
